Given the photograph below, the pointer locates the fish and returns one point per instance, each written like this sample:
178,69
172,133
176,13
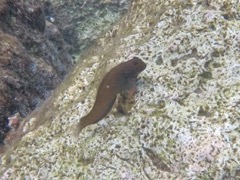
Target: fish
120,79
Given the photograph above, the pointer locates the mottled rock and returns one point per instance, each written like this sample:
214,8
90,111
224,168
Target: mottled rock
82,21
48,31
185,121
26,80
32,62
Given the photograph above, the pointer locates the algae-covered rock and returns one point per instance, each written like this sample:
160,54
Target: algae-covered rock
39,41
32,62
82,21
185,120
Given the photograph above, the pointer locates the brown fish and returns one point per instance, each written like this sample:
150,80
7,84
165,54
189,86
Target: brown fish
121,78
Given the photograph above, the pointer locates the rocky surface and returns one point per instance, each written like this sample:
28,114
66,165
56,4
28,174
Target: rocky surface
81,22
33,60
37,42
185,121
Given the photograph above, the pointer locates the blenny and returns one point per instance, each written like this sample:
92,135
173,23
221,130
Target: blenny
120,79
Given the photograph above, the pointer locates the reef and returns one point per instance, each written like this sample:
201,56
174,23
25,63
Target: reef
184,123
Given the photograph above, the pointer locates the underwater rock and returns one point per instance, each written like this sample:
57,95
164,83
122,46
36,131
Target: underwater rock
32,62
185,120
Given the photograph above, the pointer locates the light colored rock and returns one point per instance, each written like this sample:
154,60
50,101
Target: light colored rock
185,122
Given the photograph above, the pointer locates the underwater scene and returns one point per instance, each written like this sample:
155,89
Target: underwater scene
141,89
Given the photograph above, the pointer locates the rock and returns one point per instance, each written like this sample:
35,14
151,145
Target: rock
48,34
81,22
32,62
184,124
26,81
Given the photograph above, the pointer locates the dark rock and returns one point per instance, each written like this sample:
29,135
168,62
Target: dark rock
33,59
36,38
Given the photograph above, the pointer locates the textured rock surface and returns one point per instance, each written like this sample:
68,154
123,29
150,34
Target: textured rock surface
185,121
37,38
82,21
32,60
